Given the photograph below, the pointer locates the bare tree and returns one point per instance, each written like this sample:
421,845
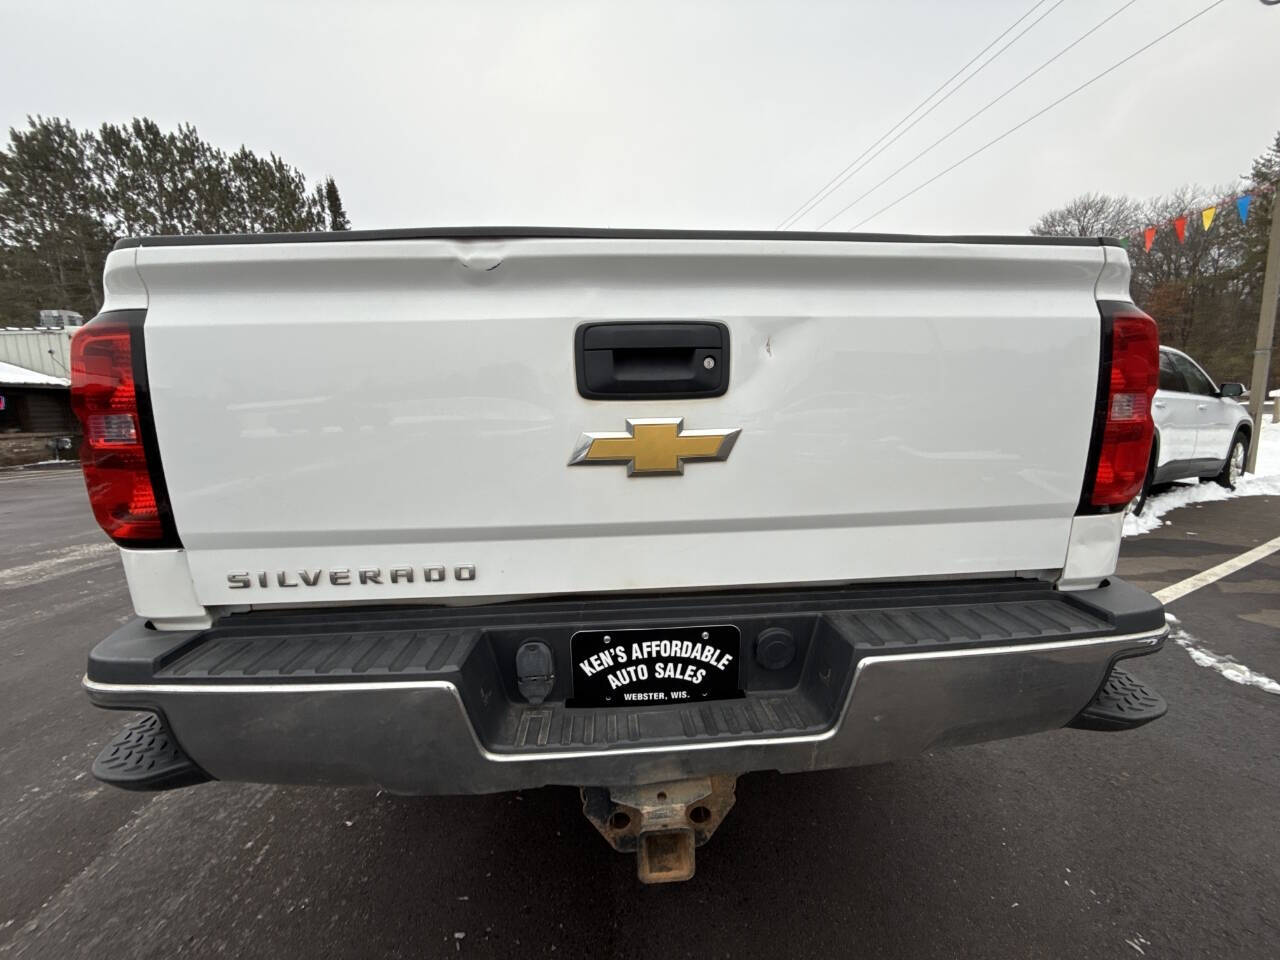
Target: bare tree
1090,215
1203,289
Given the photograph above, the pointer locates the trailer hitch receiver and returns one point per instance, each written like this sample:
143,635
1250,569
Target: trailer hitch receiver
662,823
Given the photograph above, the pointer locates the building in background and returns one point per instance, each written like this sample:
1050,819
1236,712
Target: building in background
61,318
45,350
36,422
33,402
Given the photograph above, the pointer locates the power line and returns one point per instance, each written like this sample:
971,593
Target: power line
825,190
854,165
973,116
1041,112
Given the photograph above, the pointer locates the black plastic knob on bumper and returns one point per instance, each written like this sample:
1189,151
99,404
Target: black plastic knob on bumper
775,648
145,756
535,670
1122,704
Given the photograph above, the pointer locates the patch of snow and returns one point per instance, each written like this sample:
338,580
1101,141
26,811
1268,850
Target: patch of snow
59,562
13,375
1227,666
1264,482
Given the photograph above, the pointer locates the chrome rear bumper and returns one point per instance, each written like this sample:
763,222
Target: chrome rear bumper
421,736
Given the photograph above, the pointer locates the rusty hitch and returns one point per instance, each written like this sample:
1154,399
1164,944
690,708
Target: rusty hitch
663,823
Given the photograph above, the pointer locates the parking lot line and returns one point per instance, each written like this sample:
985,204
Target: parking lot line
1213,574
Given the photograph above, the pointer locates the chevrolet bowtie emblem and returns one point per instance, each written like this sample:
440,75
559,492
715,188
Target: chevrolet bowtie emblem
654,446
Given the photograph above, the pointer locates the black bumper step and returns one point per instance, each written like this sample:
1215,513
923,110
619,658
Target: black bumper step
756,714
475,649
1122,704
830,633
145,756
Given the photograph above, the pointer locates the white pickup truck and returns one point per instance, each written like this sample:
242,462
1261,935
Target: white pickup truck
474,510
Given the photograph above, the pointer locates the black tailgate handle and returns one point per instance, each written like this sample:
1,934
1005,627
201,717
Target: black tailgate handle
626,360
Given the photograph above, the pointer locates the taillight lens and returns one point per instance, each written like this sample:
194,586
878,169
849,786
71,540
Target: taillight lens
104,396
1127,429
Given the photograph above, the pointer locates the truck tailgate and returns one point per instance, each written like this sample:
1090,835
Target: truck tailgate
905,410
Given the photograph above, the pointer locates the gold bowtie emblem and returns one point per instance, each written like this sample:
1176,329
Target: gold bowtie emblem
654,446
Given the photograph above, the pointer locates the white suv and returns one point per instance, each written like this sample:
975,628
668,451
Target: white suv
1201,430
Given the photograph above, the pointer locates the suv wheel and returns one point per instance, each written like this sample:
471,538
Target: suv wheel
1233,469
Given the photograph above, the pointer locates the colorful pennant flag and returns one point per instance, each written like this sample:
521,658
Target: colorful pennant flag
1124,242
1243,203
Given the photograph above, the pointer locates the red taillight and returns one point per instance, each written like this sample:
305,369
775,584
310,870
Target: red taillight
1127,428
104,396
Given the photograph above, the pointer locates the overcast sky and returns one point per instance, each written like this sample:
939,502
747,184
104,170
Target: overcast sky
692,114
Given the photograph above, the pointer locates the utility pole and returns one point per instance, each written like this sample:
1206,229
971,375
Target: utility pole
1266,333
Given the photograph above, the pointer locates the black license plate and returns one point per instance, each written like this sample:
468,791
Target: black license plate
625,668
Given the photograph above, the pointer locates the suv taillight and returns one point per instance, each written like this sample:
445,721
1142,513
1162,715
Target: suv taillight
1123,428
108,383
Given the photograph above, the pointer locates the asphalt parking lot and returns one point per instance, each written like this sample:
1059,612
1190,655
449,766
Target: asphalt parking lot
1161,842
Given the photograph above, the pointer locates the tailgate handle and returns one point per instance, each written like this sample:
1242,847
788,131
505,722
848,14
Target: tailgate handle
626,360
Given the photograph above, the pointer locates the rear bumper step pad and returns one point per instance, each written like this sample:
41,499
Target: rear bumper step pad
1122,704
146,756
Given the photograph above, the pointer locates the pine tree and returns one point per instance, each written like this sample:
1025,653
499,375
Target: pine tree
67,195
1265,173
333,203
52,246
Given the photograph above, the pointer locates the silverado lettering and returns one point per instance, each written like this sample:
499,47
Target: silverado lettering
341,577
